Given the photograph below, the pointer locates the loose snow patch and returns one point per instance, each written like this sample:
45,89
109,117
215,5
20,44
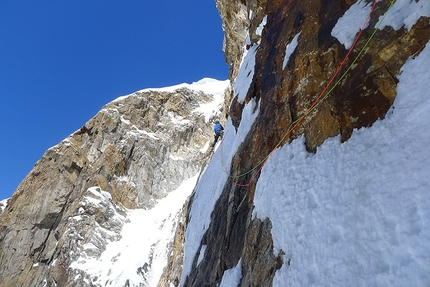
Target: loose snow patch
406,13
100,193
138,133
290,49
178,120
351,22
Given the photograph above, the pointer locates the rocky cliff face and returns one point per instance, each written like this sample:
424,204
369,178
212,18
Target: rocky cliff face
295,81
132,154
282,56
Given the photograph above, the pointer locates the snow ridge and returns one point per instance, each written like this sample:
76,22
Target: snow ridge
211,184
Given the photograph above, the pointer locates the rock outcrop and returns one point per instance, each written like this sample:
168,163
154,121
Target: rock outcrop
135,151
285,82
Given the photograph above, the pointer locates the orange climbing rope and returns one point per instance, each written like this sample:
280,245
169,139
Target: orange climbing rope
317,101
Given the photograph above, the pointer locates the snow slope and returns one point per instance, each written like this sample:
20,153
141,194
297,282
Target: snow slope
140,256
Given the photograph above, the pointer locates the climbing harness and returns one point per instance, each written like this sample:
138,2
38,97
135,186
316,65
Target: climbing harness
322,96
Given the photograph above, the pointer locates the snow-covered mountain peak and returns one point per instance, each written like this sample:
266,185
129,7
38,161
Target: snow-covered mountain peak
118,172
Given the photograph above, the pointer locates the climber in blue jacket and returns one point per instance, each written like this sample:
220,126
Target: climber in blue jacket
218,130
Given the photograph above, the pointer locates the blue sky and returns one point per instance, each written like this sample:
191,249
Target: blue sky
62,60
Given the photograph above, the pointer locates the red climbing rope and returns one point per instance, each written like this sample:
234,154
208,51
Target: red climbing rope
314,104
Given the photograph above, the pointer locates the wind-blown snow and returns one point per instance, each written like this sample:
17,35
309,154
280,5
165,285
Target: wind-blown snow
351,22
291,47
406,13
356,213
211,184
144,244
